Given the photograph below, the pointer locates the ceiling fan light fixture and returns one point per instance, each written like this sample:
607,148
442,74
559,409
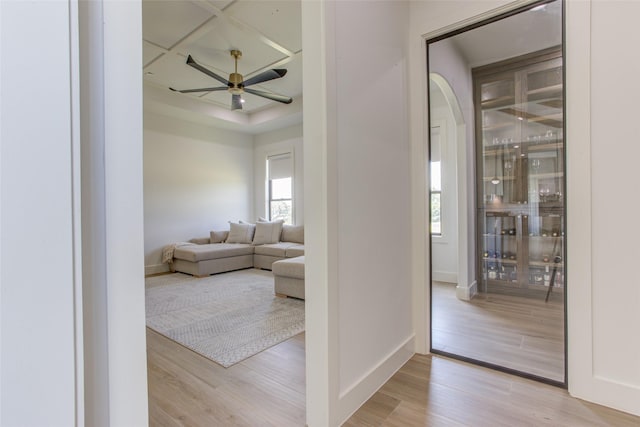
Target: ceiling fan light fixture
236,85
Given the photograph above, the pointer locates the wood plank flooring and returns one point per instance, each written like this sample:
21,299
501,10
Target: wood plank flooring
186,389
436,391
522,333
268,389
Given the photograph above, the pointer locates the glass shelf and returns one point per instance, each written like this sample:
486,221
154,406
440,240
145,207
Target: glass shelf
521,177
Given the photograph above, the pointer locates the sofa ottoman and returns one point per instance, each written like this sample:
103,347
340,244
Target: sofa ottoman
288,275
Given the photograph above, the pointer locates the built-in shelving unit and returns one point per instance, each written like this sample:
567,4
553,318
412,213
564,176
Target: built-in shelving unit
520,173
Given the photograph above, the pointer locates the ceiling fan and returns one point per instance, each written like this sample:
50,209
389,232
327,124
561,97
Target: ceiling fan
236,85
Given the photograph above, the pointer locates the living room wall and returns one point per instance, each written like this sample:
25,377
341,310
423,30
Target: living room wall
196,179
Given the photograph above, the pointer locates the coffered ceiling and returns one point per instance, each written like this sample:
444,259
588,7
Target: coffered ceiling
268,33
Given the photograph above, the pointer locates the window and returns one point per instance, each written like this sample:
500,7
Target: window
280,187
436,183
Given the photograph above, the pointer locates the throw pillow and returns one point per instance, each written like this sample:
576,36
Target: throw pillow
292,233
267,232
240,233
218,236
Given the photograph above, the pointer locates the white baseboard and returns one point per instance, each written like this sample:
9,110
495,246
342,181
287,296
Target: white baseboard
465,293
155,269
444,276
358,393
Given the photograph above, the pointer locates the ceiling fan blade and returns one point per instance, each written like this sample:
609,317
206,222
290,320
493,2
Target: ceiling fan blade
204,89
191,62
236,102
269,95
265,76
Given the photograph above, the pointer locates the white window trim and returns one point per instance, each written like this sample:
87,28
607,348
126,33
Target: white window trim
442,238
267,192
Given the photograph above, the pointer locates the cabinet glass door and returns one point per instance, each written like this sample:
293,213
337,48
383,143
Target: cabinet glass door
519,107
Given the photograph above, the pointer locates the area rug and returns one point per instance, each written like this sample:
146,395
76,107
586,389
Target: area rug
226,317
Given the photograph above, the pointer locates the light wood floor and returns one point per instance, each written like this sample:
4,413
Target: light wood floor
268,389
186,389
435,391
522,333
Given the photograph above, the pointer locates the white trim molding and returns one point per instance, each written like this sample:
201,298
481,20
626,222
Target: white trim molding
466,293
156,269
360,391
444,276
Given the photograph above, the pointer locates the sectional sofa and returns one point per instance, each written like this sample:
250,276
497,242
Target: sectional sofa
244,245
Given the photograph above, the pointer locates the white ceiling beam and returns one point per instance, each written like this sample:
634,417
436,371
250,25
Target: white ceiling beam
195,34
243,26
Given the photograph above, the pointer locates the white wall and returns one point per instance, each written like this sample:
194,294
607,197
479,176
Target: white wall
39,366
268,144
196,179
373,202
604,349
602,285
320,308
367,182
112,214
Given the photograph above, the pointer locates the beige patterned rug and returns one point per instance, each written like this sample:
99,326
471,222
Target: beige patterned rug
225,317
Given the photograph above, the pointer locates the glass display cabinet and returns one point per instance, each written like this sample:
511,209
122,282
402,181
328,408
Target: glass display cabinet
520,173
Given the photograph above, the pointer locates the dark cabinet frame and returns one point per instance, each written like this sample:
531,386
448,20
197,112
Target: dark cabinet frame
520,228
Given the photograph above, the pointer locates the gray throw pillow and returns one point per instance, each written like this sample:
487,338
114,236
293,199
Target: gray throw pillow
267,232
292,233
240,233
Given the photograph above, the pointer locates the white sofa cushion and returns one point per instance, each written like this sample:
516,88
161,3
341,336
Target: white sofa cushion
274,249
291,267
240,233
267,232
195,253
294,251
292,233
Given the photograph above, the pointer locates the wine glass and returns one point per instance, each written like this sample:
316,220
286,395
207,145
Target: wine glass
535,164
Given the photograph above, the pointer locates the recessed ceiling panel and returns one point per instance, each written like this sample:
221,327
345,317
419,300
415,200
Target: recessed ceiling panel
150,52
166,22
291,83
172,71
213,49
278,20
264,31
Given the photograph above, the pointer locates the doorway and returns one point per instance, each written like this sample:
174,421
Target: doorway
509,312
